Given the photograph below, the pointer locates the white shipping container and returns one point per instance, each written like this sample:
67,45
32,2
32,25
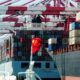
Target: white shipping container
74,40
52,40
70,26
78,16
74,33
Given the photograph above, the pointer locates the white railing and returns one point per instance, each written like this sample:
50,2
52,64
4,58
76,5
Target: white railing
29,75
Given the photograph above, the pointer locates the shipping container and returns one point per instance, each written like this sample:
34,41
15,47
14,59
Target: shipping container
78,16
65,34
59,42
15,44
70,26
65,41
51,47
52,44
74,40
65,45
74,33
52,40
74,25
19,53
58,34
45,37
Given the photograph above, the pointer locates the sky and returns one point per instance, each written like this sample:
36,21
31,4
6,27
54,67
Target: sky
22,2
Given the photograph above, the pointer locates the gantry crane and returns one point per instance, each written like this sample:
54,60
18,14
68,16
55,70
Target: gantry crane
59,12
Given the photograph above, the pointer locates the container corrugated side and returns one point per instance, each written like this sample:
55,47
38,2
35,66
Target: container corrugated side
74,25
74,40
51,47
74,33
52,40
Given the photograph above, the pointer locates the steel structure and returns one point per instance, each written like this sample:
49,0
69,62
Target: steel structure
55,11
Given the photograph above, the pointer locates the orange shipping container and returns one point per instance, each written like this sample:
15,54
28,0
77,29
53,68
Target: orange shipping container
70,78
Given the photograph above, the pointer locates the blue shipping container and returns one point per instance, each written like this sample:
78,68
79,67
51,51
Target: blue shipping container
51,47
59,43
75,25
19,53
15,44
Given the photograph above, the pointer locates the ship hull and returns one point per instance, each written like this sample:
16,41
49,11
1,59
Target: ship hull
68,65
18,67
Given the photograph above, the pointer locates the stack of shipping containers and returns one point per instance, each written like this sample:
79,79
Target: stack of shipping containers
52,40
65,37
22,45
62,41
55,40
52,44
74,33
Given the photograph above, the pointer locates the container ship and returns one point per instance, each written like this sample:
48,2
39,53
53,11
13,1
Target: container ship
55,23
67,58
15,56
